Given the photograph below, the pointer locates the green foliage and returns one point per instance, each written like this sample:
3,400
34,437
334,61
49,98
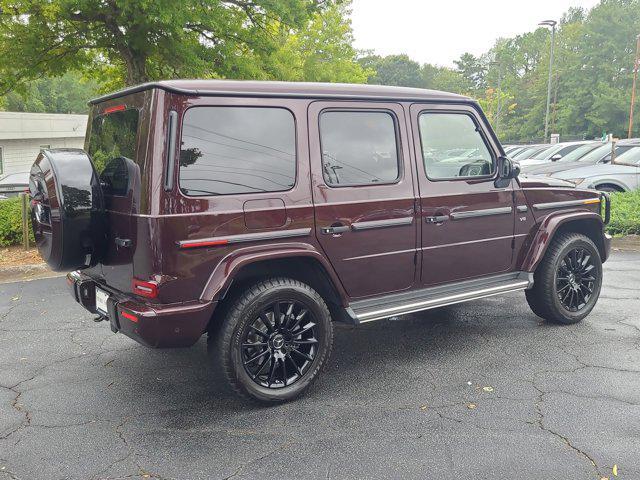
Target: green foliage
125,42
393,70
625,213
66,94
11,223
320,52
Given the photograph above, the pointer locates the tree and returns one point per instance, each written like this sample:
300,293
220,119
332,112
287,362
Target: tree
397,70
66,94
135,41
321,52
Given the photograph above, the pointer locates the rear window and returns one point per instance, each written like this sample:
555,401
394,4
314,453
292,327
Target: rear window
112,147
234,150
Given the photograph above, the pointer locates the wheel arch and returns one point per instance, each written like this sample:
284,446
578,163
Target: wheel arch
589,224
611,183
298,261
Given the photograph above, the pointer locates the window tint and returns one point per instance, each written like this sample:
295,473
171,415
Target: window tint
358,148
453,147
631,156
232,150
112,147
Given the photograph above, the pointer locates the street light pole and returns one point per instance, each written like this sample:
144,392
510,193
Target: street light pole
552,24
636,66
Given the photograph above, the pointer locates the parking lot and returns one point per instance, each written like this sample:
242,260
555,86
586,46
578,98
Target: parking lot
479,390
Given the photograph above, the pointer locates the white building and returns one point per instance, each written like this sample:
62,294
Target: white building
23,135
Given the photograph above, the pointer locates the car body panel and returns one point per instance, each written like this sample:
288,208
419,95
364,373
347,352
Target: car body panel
187,245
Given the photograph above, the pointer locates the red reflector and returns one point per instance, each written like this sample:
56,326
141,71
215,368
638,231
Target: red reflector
129,316
117,108
205,243
144,289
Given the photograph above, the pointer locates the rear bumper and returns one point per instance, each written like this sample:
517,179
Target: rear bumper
159,326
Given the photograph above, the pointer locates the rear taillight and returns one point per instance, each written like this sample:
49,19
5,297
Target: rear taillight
129,316
116,108
144,289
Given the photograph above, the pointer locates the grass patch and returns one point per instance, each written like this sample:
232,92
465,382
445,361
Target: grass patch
625,214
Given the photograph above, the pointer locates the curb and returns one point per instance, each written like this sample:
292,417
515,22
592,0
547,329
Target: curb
630,243
20,273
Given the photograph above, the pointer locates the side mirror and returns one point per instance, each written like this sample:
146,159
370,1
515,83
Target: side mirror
507,169
556,157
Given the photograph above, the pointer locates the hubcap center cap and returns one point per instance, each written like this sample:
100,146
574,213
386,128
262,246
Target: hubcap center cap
278,341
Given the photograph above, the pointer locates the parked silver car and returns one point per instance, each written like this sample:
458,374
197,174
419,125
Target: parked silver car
598,153
552,154
12,184
621,175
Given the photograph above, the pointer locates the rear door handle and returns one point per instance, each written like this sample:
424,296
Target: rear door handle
123,242
436,219
333,230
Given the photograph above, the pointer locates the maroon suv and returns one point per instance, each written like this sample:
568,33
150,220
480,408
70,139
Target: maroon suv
260,212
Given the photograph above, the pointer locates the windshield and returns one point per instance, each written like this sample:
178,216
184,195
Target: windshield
579,152
112,148
547,152
630,157
525,153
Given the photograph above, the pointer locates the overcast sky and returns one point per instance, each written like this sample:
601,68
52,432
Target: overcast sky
440,31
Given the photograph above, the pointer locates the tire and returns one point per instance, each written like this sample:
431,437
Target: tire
67,214
609,188
274,372
563,291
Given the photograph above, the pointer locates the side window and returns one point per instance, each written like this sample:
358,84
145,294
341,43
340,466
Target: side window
233,150
1,161
358,148
452,147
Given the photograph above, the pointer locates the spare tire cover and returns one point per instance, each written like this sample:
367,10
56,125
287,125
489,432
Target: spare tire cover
67,214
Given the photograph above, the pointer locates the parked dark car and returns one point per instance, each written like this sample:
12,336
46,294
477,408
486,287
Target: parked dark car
259,213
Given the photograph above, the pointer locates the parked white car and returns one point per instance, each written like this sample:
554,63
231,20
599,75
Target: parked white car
552,154
622,175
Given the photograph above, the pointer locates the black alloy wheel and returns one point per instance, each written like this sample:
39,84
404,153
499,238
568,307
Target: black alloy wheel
279,345
575,280
274,339
567,282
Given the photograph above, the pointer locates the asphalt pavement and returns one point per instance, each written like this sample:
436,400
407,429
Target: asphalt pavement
483,390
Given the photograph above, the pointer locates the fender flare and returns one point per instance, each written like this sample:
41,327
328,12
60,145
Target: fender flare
547,229
609,181
224,273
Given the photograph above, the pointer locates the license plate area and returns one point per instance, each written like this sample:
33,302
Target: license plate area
101,301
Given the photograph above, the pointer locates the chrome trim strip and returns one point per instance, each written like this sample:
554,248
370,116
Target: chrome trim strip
568,203
383,254
249,237
443,301
522,208
480,213
392,222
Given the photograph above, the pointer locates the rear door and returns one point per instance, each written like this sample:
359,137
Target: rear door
363,193
114,145
466,220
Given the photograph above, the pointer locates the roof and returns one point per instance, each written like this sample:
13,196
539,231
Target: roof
289,89
25,125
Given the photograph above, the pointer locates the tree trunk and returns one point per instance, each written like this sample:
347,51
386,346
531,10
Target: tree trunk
136,68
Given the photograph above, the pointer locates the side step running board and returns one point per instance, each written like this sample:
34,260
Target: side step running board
378,308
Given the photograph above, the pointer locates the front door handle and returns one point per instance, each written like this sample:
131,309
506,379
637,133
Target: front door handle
436,219
335,229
